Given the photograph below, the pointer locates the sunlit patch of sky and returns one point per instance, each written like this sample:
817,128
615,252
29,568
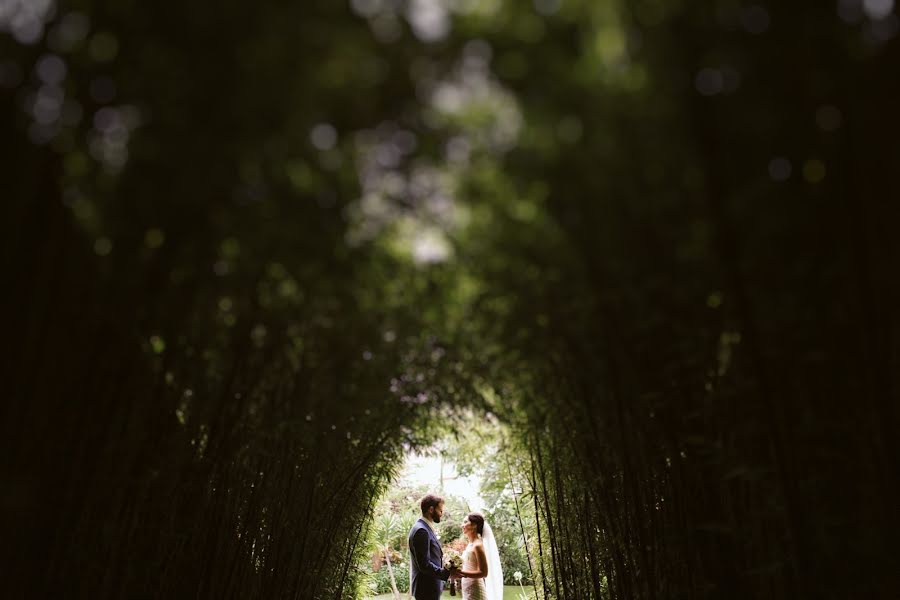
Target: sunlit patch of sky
423,470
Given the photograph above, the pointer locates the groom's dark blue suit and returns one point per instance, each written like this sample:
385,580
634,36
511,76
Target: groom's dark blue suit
427,575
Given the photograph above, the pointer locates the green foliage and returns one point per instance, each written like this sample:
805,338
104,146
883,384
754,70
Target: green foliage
508,533
379,582
455,511
477,448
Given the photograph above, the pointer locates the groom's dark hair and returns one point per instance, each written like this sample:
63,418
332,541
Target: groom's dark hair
428,501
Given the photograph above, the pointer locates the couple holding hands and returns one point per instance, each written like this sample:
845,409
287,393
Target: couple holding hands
480,572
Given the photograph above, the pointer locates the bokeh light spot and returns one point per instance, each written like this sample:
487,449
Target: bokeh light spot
103,47
731,79
878,9
879,31
51,69
103,246
547,7
221,268
230,248
814,170
715,299
828,118
47,105
157,344
323,136
429,19
755,19
850,11
25,19
430,246
367,8
709,82
780,168
70,32
154,238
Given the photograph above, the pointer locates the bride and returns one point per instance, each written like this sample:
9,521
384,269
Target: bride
482,576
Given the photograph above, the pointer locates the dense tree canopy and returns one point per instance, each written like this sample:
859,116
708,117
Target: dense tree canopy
256,251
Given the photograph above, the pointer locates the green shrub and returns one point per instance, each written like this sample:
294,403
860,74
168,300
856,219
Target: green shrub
380,581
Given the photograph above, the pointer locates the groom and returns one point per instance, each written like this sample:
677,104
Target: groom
427,575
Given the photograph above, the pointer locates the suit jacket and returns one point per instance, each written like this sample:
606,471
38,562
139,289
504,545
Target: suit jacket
426,572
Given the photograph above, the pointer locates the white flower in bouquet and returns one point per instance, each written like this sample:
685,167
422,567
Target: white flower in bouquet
452,560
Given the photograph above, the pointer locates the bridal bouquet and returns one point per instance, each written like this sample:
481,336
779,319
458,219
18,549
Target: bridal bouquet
453,560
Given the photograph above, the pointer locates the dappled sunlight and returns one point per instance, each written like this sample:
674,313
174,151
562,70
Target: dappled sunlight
409,198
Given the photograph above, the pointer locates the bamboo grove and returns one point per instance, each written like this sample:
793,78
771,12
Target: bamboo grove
254,253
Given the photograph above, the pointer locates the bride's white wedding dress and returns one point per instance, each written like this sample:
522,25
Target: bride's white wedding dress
472,589
491,587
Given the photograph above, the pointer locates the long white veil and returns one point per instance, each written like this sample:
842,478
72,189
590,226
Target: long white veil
493,583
